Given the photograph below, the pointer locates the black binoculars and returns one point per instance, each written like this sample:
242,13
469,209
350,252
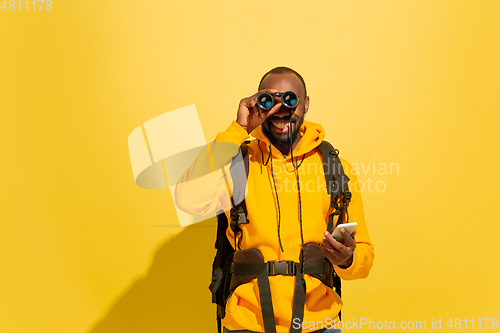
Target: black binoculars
265,101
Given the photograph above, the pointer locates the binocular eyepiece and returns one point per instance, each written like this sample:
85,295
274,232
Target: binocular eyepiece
265,101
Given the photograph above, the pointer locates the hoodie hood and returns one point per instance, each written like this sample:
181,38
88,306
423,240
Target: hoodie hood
312,135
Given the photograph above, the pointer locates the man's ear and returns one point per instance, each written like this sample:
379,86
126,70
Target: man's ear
306,104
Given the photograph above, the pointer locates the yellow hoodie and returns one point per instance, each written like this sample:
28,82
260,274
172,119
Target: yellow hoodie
322,303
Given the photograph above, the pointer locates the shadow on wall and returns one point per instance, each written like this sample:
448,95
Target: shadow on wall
174,295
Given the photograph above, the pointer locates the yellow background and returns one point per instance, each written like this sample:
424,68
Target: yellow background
412,82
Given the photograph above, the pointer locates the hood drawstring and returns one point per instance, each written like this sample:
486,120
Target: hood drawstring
296,166
275,191
277,200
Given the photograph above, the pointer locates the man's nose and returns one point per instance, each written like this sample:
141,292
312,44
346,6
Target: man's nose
283,112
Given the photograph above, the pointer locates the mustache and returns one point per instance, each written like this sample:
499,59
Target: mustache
287,118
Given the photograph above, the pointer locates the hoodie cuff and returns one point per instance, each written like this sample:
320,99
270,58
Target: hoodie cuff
345,272
234,133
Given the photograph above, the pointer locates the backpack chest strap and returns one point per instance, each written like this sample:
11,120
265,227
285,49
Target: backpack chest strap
285,267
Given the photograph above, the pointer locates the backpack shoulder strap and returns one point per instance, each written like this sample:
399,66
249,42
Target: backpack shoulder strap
239,175
336,181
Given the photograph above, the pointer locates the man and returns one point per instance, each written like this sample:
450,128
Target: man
287,208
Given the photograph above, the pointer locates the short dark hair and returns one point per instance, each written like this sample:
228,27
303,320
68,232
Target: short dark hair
284,70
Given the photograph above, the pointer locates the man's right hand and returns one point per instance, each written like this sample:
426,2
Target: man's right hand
250,116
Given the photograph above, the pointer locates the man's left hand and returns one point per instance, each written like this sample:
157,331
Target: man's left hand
339,254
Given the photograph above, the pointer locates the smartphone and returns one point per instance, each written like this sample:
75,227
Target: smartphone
349,228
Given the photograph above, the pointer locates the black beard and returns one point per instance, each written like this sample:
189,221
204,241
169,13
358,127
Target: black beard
283,141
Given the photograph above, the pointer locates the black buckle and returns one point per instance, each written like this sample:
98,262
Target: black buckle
285,267
238,215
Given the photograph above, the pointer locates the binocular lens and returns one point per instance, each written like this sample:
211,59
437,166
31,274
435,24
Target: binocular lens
265,101
289,99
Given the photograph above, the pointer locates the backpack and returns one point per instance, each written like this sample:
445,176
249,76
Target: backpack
227,270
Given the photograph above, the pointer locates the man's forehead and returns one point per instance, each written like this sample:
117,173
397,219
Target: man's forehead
285,81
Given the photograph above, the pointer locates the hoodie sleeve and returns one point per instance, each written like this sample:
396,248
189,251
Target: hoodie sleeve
364,253
202,189
234,134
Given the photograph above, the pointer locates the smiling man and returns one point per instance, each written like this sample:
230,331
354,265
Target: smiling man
276,126
279,227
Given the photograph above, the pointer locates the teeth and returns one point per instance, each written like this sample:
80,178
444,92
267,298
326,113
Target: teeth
280,125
